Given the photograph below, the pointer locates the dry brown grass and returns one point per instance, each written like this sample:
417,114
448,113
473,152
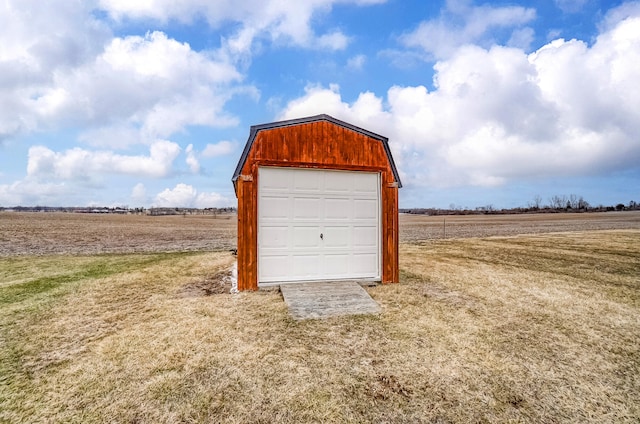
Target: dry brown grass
547,327
542,328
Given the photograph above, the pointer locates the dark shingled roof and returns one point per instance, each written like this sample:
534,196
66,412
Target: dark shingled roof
257,128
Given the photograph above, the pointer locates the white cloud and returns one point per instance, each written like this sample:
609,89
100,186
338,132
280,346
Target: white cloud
317,100
185,195
356,62
163,60
218,11
192,160
277,21
60,68
220,148
403,59
367,110
571,6
139,194
79,163
211,200
333,41
40,36
460,24
521,38
153,85
116,136
616,15
38,42
182,195
32,192
500,114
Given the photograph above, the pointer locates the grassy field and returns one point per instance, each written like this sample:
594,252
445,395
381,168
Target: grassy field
531,328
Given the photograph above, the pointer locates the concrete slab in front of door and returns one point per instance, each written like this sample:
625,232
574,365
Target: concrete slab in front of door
327,299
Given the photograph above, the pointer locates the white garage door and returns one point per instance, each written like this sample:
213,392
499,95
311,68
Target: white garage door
317,225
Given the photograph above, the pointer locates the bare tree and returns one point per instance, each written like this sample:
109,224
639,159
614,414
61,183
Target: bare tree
582,204
486,209
572,202
558,202
536,204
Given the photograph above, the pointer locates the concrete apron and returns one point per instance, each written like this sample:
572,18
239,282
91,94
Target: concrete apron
317,300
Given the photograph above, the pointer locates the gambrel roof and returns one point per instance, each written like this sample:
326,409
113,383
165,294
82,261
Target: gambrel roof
255,129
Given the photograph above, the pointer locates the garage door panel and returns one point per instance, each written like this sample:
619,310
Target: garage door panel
296,206
339,209
277,180
272,237
306,266
365,209
364,263
306,208
306,237
336,182
336,266
305,181
274,207
276,267
336,237
365,236
362,184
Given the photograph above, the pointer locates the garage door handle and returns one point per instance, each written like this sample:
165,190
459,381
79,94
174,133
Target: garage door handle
321,236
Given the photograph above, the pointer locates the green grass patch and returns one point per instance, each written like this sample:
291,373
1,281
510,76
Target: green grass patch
39,290
68,270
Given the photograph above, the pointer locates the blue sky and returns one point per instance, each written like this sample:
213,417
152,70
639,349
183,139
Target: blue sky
115,102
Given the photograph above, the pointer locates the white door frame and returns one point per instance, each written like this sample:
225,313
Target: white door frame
321,224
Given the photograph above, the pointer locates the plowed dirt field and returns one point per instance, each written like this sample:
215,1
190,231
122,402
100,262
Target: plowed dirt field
64,233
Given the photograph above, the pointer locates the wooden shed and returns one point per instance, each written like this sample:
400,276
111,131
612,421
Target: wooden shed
317,201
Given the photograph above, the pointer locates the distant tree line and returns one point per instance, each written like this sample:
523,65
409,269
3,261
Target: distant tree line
189,211
122,210
555,204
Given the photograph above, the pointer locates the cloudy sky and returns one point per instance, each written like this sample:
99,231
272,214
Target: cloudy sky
149,103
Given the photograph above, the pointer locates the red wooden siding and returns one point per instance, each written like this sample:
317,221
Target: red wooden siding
323,145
